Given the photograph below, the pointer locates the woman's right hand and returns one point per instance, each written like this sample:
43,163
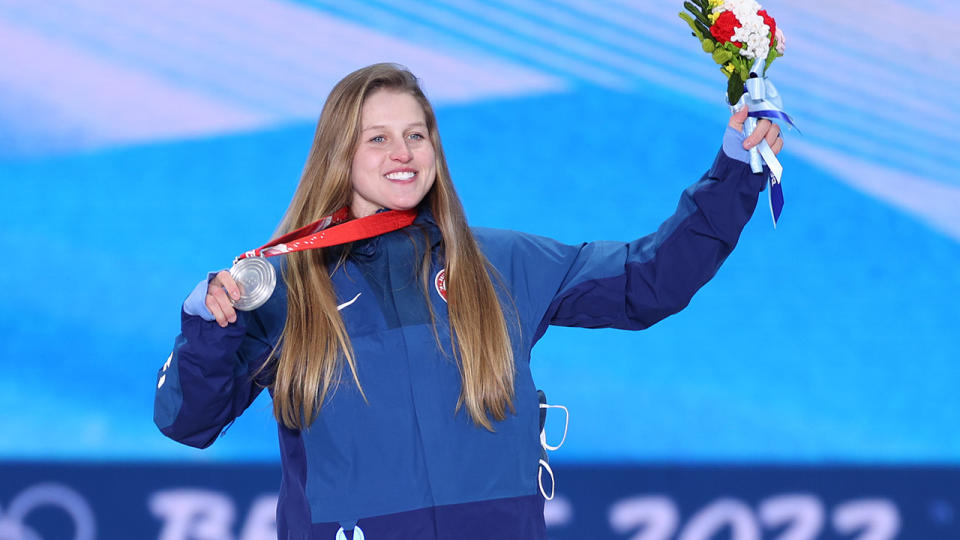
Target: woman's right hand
217,301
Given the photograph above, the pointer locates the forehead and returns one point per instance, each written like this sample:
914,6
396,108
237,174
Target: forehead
391,108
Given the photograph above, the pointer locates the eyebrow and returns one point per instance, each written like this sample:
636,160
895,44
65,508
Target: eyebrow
380,126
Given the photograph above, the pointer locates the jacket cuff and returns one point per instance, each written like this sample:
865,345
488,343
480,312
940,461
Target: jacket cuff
196,304
733,145
727,169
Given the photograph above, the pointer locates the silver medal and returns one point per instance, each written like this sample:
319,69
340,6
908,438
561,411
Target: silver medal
256,279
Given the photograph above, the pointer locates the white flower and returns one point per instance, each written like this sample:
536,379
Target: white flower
753,33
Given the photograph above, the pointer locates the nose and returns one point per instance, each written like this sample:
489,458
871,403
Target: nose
401,152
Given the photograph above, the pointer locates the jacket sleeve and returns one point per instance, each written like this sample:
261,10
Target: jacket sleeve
208,380
633,285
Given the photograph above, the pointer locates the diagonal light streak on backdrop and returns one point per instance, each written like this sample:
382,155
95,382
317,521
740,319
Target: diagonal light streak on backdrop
882,97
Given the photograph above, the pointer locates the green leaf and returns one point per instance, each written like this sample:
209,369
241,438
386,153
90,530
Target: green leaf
722,56
708,45
734,88
704,29
693,25
693,9
773,54
700,15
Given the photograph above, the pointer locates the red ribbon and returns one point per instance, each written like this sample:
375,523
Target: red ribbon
334,230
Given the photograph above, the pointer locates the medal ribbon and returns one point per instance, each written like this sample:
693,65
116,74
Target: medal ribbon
333,230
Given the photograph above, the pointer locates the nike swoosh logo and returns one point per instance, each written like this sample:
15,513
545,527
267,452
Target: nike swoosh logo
345,304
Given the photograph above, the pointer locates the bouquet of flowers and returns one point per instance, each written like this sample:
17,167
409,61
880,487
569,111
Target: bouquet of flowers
736,33
744,40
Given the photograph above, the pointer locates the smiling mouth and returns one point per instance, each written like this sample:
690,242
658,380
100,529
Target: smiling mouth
401,175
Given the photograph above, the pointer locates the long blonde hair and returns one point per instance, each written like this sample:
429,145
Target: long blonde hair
315,344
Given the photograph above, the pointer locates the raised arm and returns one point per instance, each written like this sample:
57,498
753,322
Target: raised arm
633,285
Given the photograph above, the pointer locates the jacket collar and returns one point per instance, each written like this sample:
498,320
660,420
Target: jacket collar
424,221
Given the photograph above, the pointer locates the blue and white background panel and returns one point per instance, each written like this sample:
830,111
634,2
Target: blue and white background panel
143,144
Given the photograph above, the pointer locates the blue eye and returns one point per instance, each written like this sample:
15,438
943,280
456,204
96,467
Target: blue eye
417,136
378,139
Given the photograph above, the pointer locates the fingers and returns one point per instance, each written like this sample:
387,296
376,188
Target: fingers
220,306
765,130
738,118
225,280
758,134
217,301
777,145
216,308
768,131
773,134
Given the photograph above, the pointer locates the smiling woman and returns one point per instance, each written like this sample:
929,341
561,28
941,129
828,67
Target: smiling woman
393,166
434,320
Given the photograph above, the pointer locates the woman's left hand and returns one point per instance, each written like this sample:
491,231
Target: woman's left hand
765,130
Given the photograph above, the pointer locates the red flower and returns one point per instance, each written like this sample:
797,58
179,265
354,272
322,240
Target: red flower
723,29
768,20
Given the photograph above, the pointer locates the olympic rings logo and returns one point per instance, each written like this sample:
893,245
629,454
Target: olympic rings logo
13,524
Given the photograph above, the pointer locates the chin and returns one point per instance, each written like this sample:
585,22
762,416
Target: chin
405,204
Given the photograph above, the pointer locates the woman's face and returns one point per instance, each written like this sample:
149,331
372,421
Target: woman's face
394,164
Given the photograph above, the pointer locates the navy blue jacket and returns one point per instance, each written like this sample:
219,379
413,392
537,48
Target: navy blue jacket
407,464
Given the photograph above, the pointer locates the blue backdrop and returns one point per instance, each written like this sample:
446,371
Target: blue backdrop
141,146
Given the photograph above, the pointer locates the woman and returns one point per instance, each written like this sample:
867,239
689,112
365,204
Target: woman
399,364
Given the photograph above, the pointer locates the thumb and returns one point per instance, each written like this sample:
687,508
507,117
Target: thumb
738,118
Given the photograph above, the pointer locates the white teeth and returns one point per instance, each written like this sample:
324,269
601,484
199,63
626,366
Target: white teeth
406,175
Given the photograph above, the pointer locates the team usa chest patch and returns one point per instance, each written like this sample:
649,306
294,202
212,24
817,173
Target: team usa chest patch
441,283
